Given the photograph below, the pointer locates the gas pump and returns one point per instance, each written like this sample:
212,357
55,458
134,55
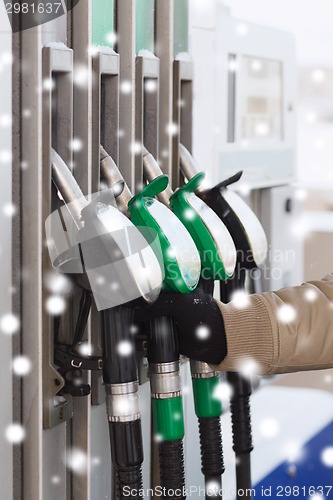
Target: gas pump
105,236
218,258
182,271
251,245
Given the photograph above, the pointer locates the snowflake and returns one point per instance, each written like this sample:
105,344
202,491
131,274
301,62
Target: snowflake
134,329
55,480
124,348
158,438
212,488
286,313
76,144
189,214
9,210
202,332
241,29
327,456
172,129
150,86
240,299
311,295
136,148
233,66
58,283
5,120
15,433
111,37
77,461
7,58
85,348
96,461
318,76
301,194
5,156
248,368
55,305
126,87
269,427
262,129
81,75
21,365
223,391
48,84
9,323
293,451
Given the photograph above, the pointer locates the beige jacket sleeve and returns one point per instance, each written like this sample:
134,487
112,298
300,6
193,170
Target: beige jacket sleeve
286,331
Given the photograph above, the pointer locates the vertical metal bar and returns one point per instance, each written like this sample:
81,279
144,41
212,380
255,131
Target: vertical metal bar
105,126
105,108
231,100
146,109
182,113
164,28
125,21
57,132
81,30
35,320
6,305
16,251
81,44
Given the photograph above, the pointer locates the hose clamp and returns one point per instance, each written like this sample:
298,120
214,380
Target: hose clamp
200,369
155,368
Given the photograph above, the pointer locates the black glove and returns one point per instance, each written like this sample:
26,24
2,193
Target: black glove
198,320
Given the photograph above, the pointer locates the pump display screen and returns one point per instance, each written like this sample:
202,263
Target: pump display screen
182,247
218,231
259,99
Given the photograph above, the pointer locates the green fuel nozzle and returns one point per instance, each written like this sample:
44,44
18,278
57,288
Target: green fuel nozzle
218,258
212,238
181,258
182,271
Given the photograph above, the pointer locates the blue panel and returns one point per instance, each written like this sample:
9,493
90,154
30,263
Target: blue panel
309,471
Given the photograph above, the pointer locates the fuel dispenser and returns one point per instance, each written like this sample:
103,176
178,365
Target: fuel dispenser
105,236
181,275
251,245
218,260
78,84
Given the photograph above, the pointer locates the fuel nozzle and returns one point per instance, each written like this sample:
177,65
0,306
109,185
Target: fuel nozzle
121,266
244,226
251,244
212,238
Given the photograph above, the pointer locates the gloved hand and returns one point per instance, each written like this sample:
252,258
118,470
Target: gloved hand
198,320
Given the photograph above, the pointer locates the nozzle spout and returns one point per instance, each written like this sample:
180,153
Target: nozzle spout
111,174
188,165
68,187
151,170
